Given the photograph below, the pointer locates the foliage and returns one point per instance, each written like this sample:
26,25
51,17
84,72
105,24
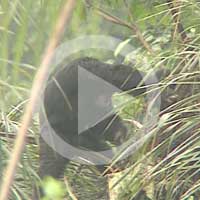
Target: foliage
162,167
53,189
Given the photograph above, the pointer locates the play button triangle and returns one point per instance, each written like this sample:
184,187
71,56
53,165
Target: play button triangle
94,99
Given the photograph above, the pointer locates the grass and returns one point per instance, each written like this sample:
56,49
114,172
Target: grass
166,165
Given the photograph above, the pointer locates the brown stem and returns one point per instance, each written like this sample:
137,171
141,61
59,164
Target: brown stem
176,18
116,20
36,89
5,136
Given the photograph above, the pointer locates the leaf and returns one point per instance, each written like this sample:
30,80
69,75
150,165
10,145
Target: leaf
121,46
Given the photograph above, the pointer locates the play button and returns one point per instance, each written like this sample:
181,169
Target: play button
94,99
76,103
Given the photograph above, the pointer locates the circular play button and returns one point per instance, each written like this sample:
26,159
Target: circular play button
77,116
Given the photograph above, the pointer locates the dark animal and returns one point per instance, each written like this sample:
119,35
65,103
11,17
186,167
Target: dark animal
61,104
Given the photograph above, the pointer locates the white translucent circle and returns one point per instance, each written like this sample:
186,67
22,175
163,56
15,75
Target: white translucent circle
92,157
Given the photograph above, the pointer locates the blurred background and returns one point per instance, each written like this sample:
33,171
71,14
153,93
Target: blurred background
165,35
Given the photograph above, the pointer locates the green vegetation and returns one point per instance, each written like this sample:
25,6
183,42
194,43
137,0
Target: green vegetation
166,165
